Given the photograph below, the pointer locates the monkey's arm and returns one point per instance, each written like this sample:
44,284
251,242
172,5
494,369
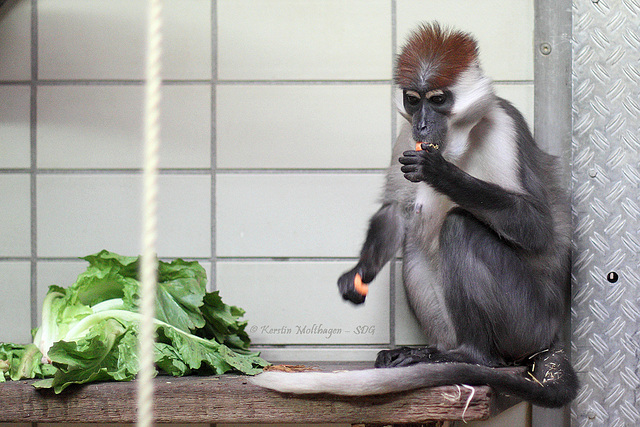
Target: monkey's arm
523,219
386,231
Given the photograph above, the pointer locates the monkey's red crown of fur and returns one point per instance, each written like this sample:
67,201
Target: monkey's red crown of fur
435,55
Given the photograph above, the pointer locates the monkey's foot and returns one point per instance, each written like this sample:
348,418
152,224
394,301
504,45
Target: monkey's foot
406,356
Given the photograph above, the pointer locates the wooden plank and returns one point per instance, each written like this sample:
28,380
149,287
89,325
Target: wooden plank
233,399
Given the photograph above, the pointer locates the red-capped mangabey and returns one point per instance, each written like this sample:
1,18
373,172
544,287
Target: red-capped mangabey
484,228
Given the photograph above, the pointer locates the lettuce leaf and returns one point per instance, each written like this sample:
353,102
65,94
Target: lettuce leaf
96,357
89,331
22,361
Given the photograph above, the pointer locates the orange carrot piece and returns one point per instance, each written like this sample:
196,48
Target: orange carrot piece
419,146
361,288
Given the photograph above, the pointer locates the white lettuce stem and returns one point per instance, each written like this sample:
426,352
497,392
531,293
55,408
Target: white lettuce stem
83,326
48,331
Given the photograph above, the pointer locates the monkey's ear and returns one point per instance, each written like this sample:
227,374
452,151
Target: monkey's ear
398,98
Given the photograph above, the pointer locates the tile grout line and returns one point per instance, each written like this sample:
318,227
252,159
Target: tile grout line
192,171
204,82
33,166
213,145
225,258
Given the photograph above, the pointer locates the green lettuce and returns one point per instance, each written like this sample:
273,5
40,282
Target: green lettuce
22,361
89,331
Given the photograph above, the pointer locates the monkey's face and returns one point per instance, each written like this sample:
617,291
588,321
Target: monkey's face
429,112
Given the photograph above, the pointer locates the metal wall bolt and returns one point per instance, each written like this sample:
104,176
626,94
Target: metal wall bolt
545,48
593,173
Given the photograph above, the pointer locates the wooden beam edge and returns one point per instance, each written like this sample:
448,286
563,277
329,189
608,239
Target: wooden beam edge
233,399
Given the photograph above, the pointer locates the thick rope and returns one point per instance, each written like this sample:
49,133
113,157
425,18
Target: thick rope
149,266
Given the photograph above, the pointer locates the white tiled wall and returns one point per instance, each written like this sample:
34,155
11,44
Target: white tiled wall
14,129
15,223
105,133
304,40
15,302
277,125
15,41
82,213
293,215
318,317
91,40
314,132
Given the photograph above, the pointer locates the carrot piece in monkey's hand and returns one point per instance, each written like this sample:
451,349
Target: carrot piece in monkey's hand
361,288
419,146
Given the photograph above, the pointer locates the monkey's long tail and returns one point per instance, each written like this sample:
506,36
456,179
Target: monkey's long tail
556,383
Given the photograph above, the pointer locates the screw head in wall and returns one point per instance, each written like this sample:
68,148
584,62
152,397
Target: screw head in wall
545,48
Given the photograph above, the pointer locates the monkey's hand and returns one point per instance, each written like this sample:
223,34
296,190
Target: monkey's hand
424,165
347,287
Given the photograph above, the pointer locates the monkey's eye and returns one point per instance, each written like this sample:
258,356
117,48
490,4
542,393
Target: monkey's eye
412,97
437,97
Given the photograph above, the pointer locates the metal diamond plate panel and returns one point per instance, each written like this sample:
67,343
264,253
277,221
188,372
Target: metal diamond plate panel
606,208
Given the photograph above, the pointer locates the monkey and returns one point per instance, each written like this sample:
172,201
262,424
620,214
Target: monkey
481,218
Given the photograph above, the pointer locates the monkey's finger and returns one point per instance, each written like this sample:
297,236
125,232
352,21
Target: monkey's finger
410,153
354,297
409,160
409,168
430,148
427,146
414,177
